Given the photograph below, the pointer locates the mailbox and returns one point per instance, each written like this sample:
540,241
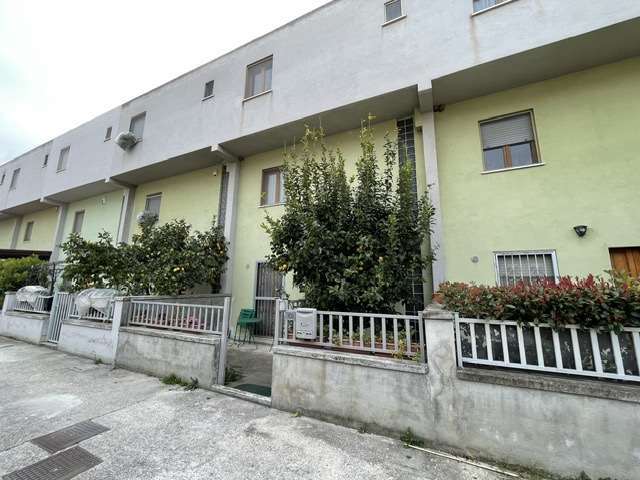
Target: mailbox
306,327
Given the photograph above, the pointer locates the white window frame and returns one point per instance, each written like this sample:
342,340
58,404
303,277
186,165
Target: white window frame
75,221
554,261
4,175
15,176
213,86
61,167
488,9
151,197
265,60
393,20
143,116
28,231
108,133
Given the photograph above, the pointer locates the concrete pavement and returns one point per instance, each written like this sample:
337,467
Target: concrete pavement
160,432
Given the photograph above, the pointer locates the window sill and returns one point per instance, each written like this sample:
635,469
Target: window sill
485,10
402,17
207,98
272,205
61,170
533,165
257,95
107,139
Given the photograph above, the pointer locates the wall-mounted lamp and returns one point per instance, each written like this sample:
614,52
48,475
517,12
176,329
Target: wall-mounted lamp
581,230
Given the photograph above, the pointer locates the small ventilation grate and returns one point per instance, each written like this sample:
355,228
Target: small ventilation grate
63,466
56,441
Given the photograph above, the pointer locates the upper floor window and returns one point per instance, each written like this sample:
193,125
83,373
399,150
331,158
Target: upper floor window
46,160
78,220
526,267
107,135
479,5
153,202
208,89
392,10
63,159
259,77
28,231
509,142
4,174
14,179
272,187
137,125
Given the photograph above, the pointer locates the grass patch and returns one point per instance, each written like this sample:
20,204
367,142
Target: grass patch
410,439
173,379
231,375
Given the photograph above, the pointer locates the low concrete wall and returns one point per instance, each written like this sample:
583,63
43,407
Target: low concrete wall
161,353
562,426
87,339
30,327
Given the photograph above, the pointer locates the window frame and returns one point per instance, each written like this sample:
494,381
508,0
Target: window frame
28,231
488,9
206,86
513,253
152,196
506,149
134,118
15,176
402,15
60,167
4,175
108,133
280,197
45,162
264,61
75,222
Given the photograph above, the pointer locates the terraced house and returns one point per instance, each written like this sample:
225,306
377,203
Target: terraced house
523,116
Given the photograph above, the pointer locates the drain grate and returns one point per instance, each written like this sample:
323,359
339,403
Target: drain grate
63,466
56,441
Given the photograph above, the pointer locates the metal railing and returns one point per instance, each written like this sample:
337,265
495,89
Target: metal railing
176,316
93,314
570,350
399,336
42,304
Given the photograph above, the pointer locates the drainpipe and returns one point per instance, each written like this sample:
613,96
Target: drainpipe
59,232
232,165
126,212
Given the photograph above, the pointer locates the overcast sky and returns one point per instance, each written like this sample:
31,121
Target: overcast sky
63,62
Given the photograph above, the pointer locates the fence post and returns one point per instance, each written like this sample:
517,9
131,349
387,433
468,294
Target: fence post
423,349
119,312
440,342
276,324
222,362
9,301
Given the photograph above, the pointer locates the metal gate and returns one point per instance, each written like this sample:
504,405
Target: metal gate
60,311
269,286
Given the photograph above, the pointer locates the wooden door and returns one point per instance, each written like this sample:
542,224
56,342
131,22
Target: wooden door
626,259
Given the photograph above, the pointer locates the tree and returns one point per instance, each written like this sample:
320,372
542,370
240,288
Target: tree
352,244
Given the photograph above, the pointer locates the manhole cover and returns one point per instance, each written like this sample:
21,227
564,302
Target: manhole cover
62,466
56,441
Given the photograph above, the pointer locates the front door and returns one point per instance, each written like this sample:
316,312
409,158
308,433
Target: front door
626,260
269,285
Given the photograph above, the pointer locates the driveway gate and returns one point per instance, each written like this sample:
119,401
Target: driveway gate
60,311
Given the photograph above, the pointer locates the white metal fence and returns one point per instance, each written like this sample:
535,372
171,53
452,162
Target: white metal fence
372,333
176,316
42,304
570,350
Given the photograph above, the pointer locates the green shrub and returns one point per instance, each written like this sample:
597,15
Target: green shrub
19,272
592,302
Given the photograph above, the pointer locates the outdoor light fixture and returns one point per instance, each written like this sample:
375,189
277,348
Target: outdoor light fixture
581,230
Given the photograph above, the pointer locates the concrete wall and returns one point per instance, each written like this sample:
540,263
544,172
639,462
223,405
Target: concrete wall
29,327
44,226
587,129
101,212
559,425
6,232
87,339
161,353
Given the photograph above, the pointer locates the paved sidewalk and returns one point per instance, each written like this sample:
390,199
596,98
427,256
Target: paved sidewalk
158,432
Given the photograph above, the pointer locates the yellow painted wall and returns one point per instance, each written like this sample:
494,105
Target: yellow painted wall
252,242
588,128
193,196
6,232
44,227
101,212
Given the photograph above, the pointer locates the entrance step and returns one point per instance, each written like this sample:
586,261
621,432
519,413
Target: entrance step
248,396
51,345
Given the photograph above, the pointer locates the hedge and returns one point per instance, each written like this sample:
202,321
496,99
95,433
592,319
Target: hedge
591,302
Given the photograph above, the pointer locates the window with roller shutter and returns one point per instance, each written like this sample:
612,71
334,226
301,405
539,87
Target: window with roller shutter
509,142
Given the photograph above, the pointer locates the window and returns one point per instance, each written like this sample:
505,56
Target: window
515,267
479,5
137,125
78,220
208,89
392,10
107,136
46,160
508,142
63,159
14,179
272,187
153,203
259,77
28,231
4,174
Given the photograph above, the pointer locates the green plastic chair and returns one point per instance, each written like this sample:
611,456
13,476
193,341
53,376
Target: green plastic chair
247,321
